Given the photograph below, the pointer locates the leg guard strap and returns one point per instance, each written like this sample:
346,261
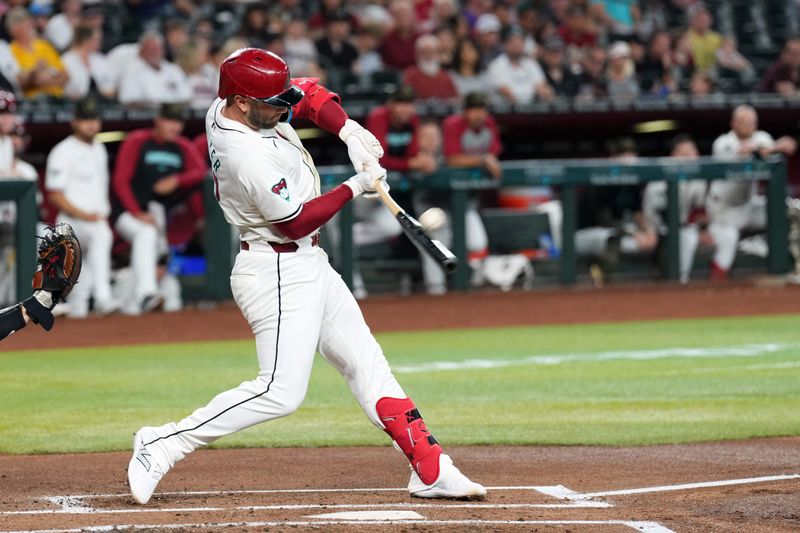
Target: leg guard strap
405,426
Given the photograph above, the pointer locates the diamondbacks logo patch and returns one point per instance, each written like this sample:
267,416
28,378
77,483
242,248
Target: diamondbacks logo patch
281,189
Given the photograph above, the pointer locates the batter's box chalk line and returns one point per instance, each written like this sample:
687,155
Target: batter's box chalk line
646,527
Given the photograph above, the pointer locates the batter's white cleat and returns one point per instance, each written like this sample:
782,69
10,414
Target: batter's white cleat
145,470
450,484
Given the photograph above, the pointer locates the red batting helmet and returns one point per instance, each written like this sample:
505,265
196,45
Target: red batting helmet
260,75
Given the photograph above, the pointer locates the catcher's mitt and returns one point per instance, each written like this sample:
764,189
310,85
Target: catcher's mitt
59,264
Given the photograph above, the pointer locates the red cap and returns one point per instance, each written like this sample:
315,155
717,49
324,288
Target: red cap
260,75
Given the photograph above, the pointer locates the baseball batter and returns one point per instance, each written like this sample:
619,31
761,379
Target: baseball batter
296,304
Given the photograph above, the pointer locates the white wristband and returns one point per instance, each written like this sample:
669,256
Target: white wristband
355,186
349,127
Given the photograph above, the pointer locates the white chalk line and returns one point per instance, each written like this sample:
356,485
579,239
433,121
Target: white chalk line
277,491
135,510
76,504
647,527
684,486
737,368
745,350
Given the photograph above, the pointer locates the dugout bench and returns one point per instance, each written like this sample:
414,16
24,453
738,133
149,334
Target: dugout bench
565,176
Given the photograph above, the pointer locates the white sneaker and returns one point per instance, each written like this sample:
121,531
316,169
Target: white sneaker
144,469
451,484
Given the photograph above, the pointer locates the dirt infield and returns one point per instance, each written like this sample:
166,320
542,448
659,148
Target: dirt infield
736,486
472,310
253,488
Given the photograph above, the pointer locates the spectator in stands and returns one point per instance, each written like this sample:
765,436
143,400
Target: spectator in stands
40,15
334,48
440,14
618,17
515,77
193,59
737,203
328,9
682,58
156,169
695,230
652,17
300,52
42,73
369,60
397,49
254,25
88,69
447,45
395,126
176,34
61,27
621,84
577,30
467,74
592,76
555,12
783,76
10,75
704,41
701,84
731,62
77,185
558,74
150,80
427,78
657,61
487,36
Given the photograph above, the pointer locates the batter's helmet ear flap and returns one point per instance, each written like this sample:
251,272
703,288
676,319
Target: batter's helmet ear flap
286,117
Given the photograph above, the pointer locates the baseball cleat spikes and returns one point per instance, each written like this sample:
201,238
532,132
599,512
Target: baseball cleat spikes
144,470
451,484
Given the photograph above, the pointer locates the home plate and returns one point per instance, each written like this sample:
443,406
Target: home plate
370,515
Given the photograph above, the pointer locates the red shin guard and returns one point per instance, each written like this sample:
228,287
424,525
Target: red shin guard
405,426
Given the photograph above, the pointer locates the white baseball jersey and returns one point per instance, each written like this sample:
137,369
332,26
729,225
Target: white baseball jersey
691,194
80,171
261,177
727,147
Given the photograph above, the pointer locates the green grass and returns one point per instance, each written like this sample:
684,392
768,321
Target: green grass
92,399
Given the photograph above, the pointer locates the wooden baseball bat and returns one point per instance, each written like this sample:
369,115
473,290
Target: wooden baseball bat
413,230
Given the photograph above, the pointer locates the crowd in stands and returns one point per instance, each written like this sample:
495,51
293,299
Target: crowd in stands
162,55
147,52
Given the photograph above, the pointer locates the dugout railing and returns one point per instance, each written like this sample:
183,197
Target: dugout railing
564,175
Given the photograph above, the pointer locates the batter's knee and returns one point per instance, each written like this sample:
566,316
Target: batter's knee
280,399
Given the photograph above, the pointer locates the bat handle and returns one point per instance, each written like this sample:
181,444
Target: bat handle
380,188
